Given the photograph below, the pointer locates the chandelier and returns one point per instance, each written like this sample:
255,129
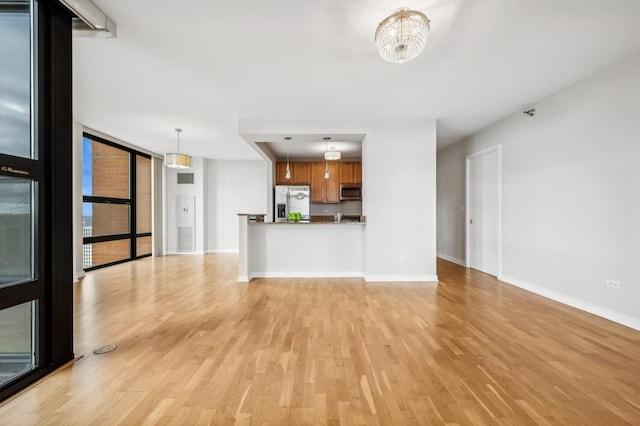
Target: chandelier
401,36
177,160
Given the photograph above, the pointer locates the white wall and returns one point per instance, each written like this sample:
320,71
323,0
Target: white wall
399,190
399,177
233,186
571,194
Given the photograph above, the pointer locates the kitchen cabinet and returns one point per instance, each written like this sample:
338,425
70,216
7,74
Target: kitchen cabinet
351,172
300,173
325,190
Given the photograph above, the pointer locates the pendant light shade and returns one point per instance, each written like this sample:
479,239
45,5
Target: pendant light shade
401,36
287,173
175,160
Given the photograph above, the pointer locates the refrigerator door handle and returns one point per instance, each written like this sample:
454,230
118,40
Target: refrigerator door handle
300,196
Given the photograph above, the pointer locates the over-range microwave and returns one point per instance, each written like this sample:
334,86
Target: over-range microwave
350,192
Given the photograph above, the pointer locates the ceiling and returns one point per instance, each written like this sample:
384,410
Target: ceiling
203,65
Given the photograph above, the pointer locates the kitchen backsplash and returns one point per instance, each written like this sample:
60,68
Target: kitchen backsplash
346,207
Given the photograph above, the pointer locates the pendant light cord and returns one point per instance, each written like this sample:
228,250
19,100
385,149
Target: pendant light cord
326,164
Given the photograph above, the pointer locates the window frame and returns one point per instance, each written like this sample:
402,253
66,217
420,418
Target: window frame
51,135
131,201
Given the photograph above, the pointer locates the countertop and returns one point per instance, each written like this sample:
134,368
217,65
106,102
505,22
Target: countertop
315,220
306,222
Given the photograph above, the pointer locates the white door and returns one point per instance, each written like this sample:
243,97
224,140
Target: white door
483,172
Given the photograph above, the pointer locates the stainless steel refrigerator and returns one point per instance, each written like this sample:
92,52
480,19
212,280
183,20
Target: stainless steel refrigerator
291,199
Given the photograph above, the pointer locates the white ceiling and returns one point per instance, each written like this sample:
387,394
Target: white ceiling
202,65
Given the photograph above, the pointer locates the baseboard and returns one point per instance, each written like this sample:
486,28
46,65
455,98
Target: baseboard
244,278
306,274
452,259
401,278
223,251
614,316
186,253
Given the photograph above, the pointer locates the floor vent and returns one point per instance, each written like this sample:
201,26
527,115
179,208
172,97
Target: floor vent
104,349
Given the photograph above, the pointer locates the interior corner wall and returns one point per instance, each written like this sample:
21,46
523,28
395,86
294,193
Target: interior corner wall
570,194
233,186
451,203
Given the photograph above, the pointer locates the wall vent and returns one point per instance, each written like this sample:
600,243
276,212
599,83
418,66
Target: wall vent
185,238
185,178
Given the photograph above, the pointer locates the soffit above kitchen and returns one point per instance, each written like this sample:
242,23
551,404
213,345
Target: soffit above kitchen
310,147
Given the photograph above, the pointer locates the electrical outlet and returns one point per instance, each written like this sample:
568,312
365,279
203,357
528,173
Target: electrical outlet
404,257
613,284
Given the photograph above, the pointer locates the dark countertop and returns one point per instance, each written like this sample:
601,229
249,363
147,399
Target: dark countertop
324,220
315,220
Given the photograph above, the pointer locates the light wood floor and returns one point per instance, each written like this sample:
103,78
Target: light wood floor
195,347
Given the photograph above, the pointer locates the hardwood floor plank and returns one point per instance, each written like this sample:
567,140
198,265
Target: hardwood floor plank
196,347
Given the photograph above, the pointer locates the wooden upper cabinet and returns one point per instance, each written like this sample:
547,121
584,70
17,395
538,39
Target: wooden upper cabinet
281,169
333,183
357,173
300,173
351,172
325,190
318,187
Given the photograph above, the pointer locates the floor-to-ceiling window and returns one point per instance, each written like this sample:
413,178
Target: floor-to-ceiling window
20,200
116,203
35,145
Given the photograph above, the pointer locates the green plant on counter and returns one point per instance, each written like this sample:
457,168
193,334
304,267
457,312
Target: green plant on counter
294,216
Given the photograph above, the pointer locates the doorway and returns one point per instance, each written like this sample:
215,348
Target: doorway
483,218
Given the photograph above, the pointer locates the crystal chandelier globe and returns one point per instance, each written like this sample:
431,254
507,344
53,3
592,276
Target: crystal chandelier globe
401,36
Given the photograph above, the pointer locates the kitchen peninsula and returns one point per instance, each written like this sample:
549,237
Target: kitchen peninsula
287,249
318,228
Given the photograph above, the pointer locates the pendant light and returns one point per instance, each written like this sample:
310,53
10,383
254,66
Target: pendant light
326,166
287,174
177,160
